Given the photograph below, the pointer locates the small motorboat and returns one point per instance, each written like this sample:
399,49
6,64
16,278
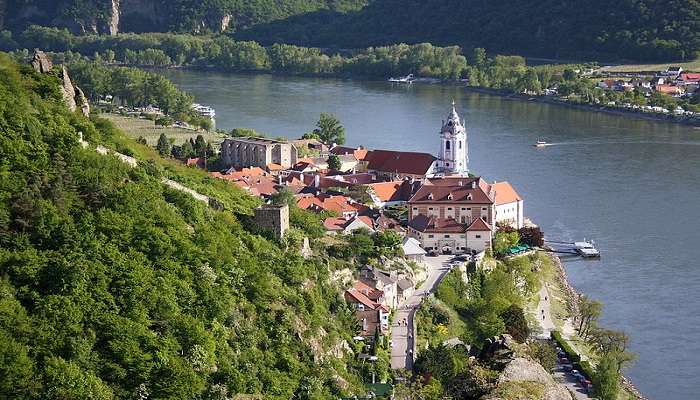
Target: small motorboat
541,143
403,79
587,249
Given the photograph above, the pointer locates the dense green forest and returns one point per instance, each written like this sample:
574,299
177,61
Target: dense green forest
587,29
113,286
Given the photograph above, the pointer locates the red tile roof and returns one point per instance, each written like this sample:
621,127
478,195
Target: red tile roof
360,153
689,76
401,162
479,225
505,193
392,191
453,190
339,204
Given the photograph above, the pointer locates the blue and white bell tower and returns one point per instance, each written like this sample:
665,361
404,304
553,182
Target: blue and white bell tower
454,155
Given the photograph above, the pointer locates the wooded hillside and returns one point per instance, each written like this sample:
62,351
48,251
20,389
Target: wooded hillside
114,286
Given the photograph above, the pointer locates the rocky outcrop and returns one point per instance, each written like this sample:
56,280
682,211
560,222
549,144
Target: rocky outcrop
113,20
41,62
67,89
73,96
523,378
82,102
499,351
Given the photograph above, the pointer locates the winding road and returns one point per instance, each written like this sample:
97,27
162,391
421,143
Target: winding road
403,330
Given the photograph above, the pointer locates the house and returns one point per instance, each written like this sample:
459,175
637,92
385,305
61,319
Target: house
346,225
672,71
360,154
670,89
688,78
384,281
445,213
257,152
198,162
412,250
406,288
343,206
398,165
369,310
508,205
385,223
387,194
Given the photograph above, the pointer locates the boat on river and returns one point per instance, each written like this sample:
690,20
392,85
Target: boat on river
586,249
541,143
403,79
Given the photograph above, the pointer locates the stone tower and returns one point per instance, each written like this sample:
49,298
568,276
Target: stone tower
273,218
453,157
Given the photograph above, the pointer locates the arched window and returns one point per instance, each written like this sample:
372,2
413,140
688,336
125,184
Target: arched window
460,144
447,145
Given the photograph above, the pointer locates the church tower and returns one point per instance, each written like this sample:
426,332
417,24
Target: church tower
453,157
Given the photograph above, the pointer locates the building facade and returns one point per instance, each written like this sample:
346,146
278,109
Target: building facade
452,214
257,152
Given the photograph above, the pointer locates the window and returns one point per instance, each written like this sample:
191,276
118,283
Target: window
469,208
463,208
478,236
430,208
447,236
431,236
415,208
460,144
483,209
449,208
447,145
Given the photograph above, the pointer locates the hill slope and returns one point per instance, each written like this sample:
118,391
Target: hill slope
626,29
112,16
115,287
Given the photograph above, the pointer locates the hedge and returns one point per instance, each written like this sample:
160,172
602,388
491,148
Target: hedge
573,356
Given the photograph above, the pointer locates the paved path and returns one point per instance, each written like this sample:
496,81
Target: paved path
403,331
544,316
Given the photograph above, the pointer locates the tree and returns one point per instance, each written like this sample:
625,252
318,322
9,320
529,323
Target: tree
164,121
283,196
544,352
334,162
163,145
329,130
516,324
589,312
504,241
479,57
606,378
200,146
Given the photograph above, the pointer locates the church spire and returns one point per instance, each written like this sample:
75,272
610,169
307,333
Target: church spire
453,157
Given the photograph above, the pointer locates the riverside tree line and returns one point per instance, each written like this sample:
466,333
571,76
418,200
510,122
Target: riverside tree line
508,74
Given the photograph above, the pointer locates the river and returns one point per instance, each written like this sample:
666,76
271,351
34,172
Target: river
632,185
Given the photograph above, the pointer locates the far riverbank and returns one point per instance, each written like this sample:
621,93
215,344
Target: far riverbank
587,107
695,122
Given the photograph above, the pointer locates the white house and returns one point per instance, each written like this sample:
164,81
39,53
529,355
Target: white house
508,205
412,250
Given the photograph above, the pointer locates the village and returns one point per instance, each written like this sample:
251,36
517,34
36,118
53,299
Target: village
440,211
673,82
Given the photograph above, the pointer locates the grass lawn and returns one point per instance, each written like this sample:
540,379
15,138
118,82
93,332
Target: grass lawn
687,66
135,127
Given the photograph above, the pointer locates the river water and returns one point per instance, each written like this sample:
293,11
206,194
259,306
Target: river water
632,185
